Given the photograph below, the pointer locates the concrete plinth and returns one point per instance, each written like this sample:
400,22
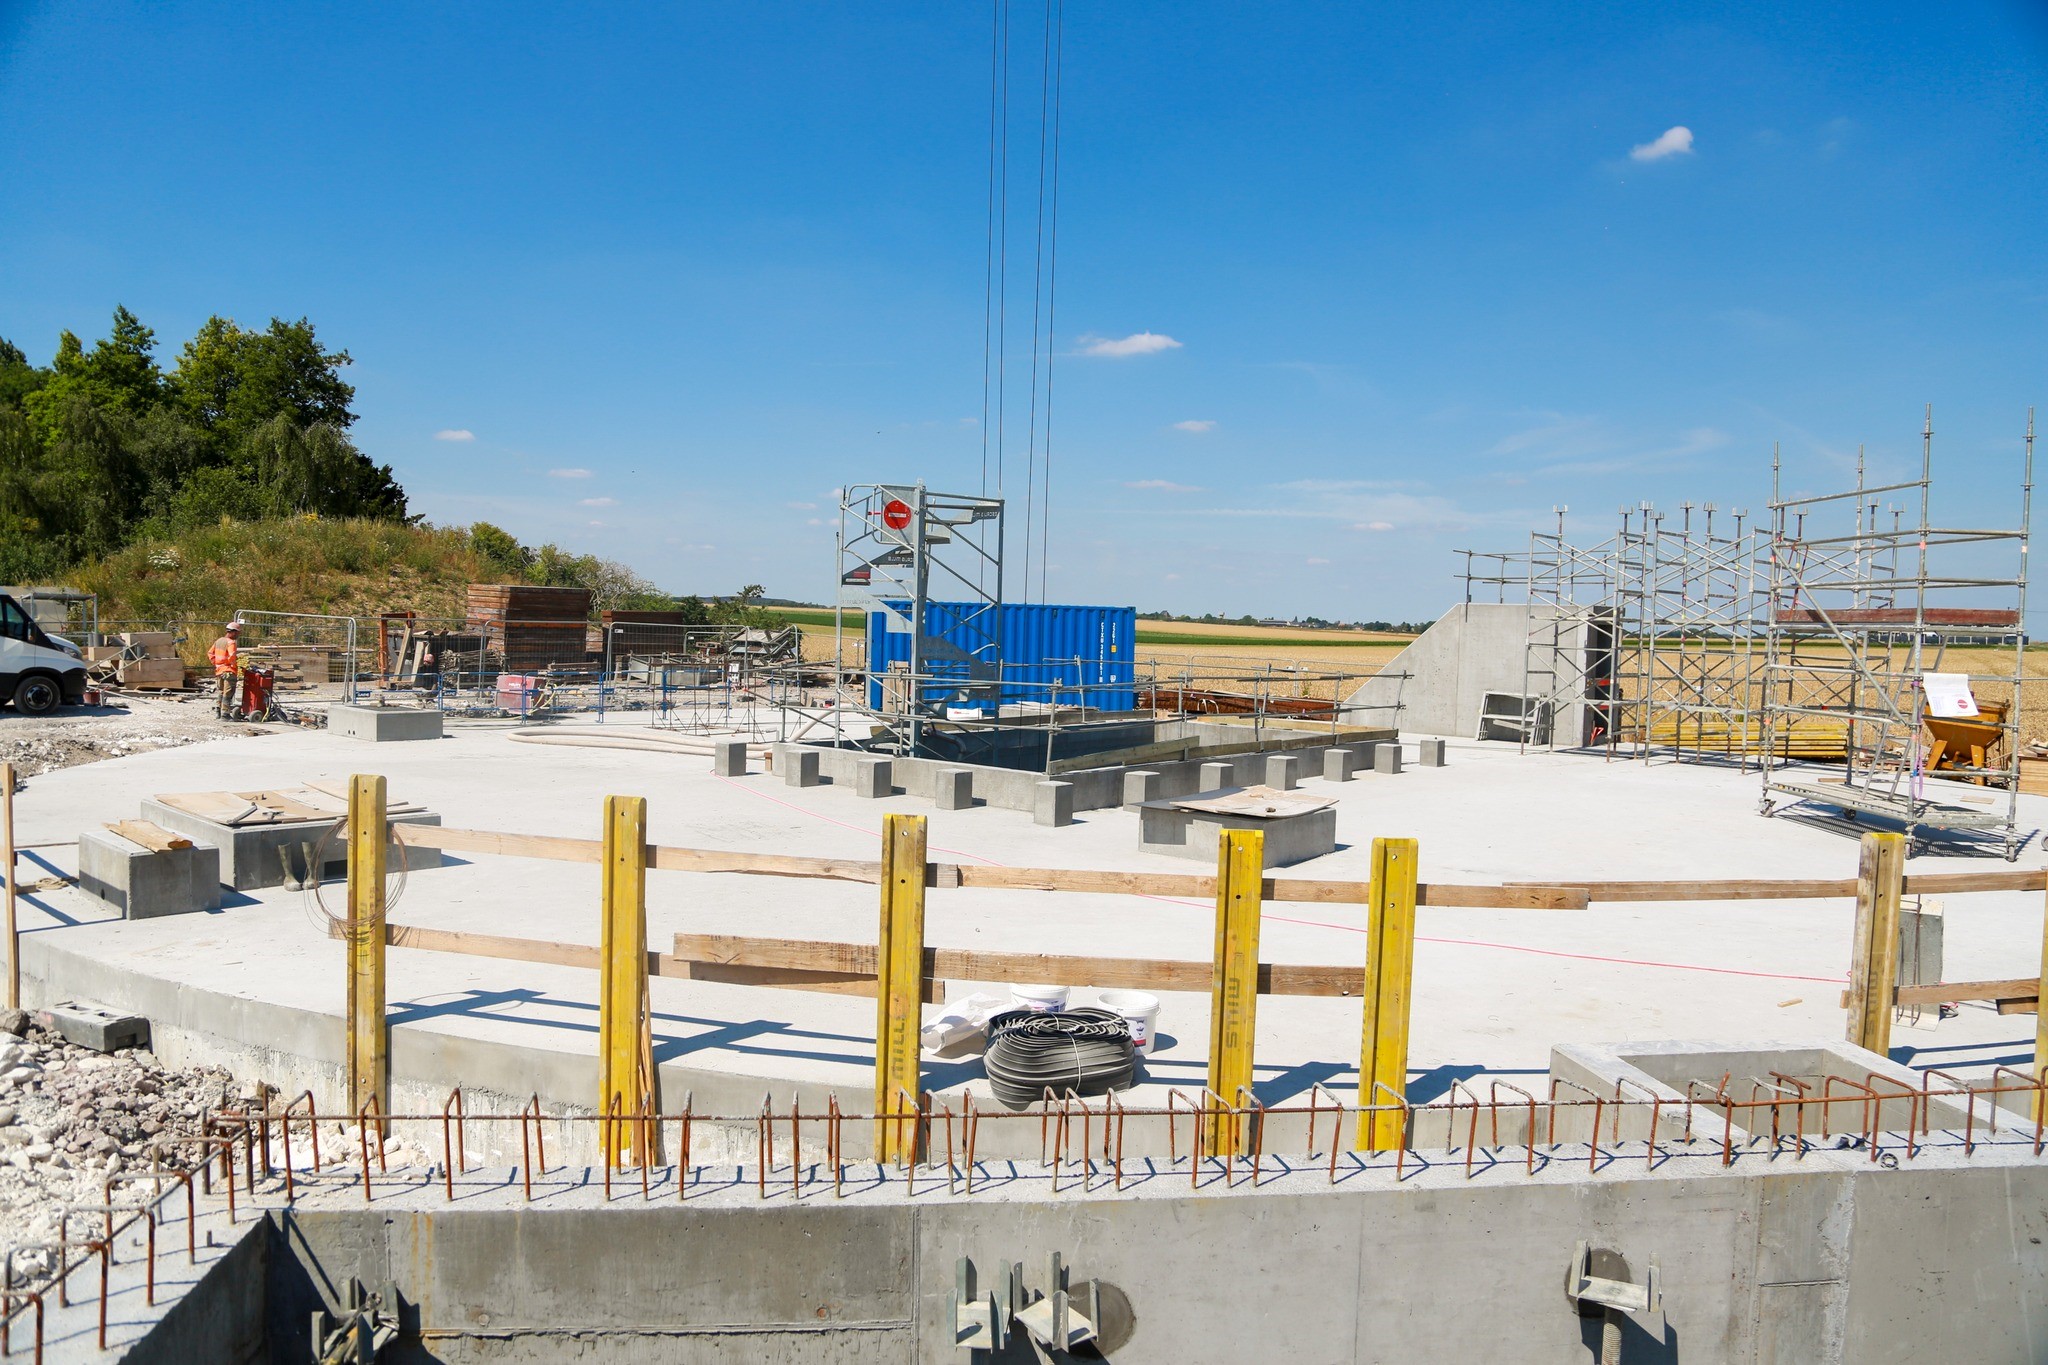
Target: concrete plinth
953,789
1367,753
250,855
1339,765
1142,786
380,724
142,883
1283,772
1213,776
1429,753
1195,833
798,766
729,757
1054,804
873,778
1386,758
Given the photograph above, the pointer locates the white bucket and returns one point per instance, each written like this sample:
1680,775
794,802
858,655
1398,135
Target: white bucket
1039,999
1140,1010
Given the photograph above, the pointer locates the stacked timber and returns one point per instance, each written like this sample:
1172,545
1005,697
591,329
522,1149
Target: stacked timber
526,628
149,659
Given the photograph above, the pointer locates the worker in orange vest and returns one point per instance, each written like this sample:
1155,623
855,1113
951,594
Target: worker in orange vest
227,666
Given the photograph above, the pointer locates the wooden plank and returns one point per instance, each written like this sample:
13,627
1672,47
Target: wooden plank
1941,993
507,845
900,986
1740,890
956,964
7,865
369,1047
1234,994
1389,977
150,835
2040,1067
1874,955
623,1085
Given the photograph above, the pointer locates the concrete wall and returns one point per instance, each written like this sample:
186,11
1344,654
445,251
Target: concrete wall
1814,1262
1439,681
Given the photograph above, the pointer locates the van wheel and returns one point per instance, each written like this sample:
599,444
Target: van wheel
37,696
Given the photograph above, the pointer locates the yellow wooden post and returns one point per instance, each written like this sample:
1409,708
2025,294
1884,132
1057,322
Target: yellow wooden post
1874,968
7,853
900,987
2041,1018
1234,993
369,1052
1389,973
624,1076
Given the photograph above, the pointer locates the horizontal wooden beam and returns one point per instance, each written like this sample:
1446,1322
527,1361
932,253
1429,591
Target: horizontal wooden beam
849,968
2016,988
671,859
959,964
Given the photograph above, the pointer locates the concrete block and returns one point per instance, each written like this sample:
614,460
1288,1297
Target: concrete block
873,778
1283,772
1429,753
1339,764
250,856
143,883
1053,804
953,788
1214,775
1142,785
1386,758
729,757
381,724
798,765
95,1026
1367,753
1195,834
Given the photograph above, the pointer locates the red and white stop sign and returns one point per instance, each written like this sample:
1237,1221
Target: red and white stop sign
896,514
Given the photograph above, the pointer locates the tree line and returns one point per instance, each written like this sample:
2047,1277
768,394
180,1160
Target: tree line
103,445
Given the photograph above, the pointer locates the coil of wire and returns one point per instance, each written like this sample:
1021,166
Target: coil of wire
1087,1051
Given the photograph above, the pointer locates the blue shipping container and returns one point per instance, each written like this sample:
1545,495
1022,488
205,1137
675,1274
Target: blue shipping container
1068,655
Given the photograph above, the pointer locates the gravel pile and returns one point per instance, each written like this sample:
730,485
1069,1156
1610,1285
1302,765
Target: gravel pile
70,1117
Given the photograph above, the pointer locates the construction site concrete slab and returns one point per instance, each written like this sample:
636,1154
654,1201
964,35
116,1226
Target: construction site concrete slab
383,724
259,985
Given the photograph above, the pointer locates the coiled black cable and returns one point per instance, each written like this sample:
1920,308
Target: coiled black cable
1087,1051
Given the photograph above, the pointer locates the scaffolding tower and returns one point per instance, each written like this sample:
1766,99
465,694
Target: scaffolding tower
1863,619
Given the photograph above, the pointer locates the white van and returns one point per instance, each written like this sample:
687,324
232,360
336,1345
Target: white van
37,670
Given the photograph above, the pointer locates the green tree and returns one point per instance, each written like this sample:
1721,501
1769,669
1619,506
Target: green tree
232,381
500,551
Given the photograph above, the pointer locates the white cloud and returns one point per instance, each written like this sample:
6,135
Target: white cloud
455,434
1671,142
1162,486
599,502
1195,425
1374,526
1314,560
801,506
1117,348
568,473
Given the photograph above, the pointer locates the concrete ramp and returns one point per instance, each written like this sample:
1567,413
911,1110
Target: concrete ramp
1438,681
1438,684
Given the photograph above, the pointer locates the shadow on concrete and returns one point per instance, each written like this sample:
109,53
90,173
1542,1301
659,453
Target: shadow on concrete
1946,843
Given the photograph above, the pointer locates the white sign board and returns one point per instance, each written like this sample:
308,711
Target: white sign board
1948,695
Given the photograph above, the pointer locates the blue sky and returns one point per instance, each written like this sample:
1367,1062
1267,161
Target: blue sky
681,272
